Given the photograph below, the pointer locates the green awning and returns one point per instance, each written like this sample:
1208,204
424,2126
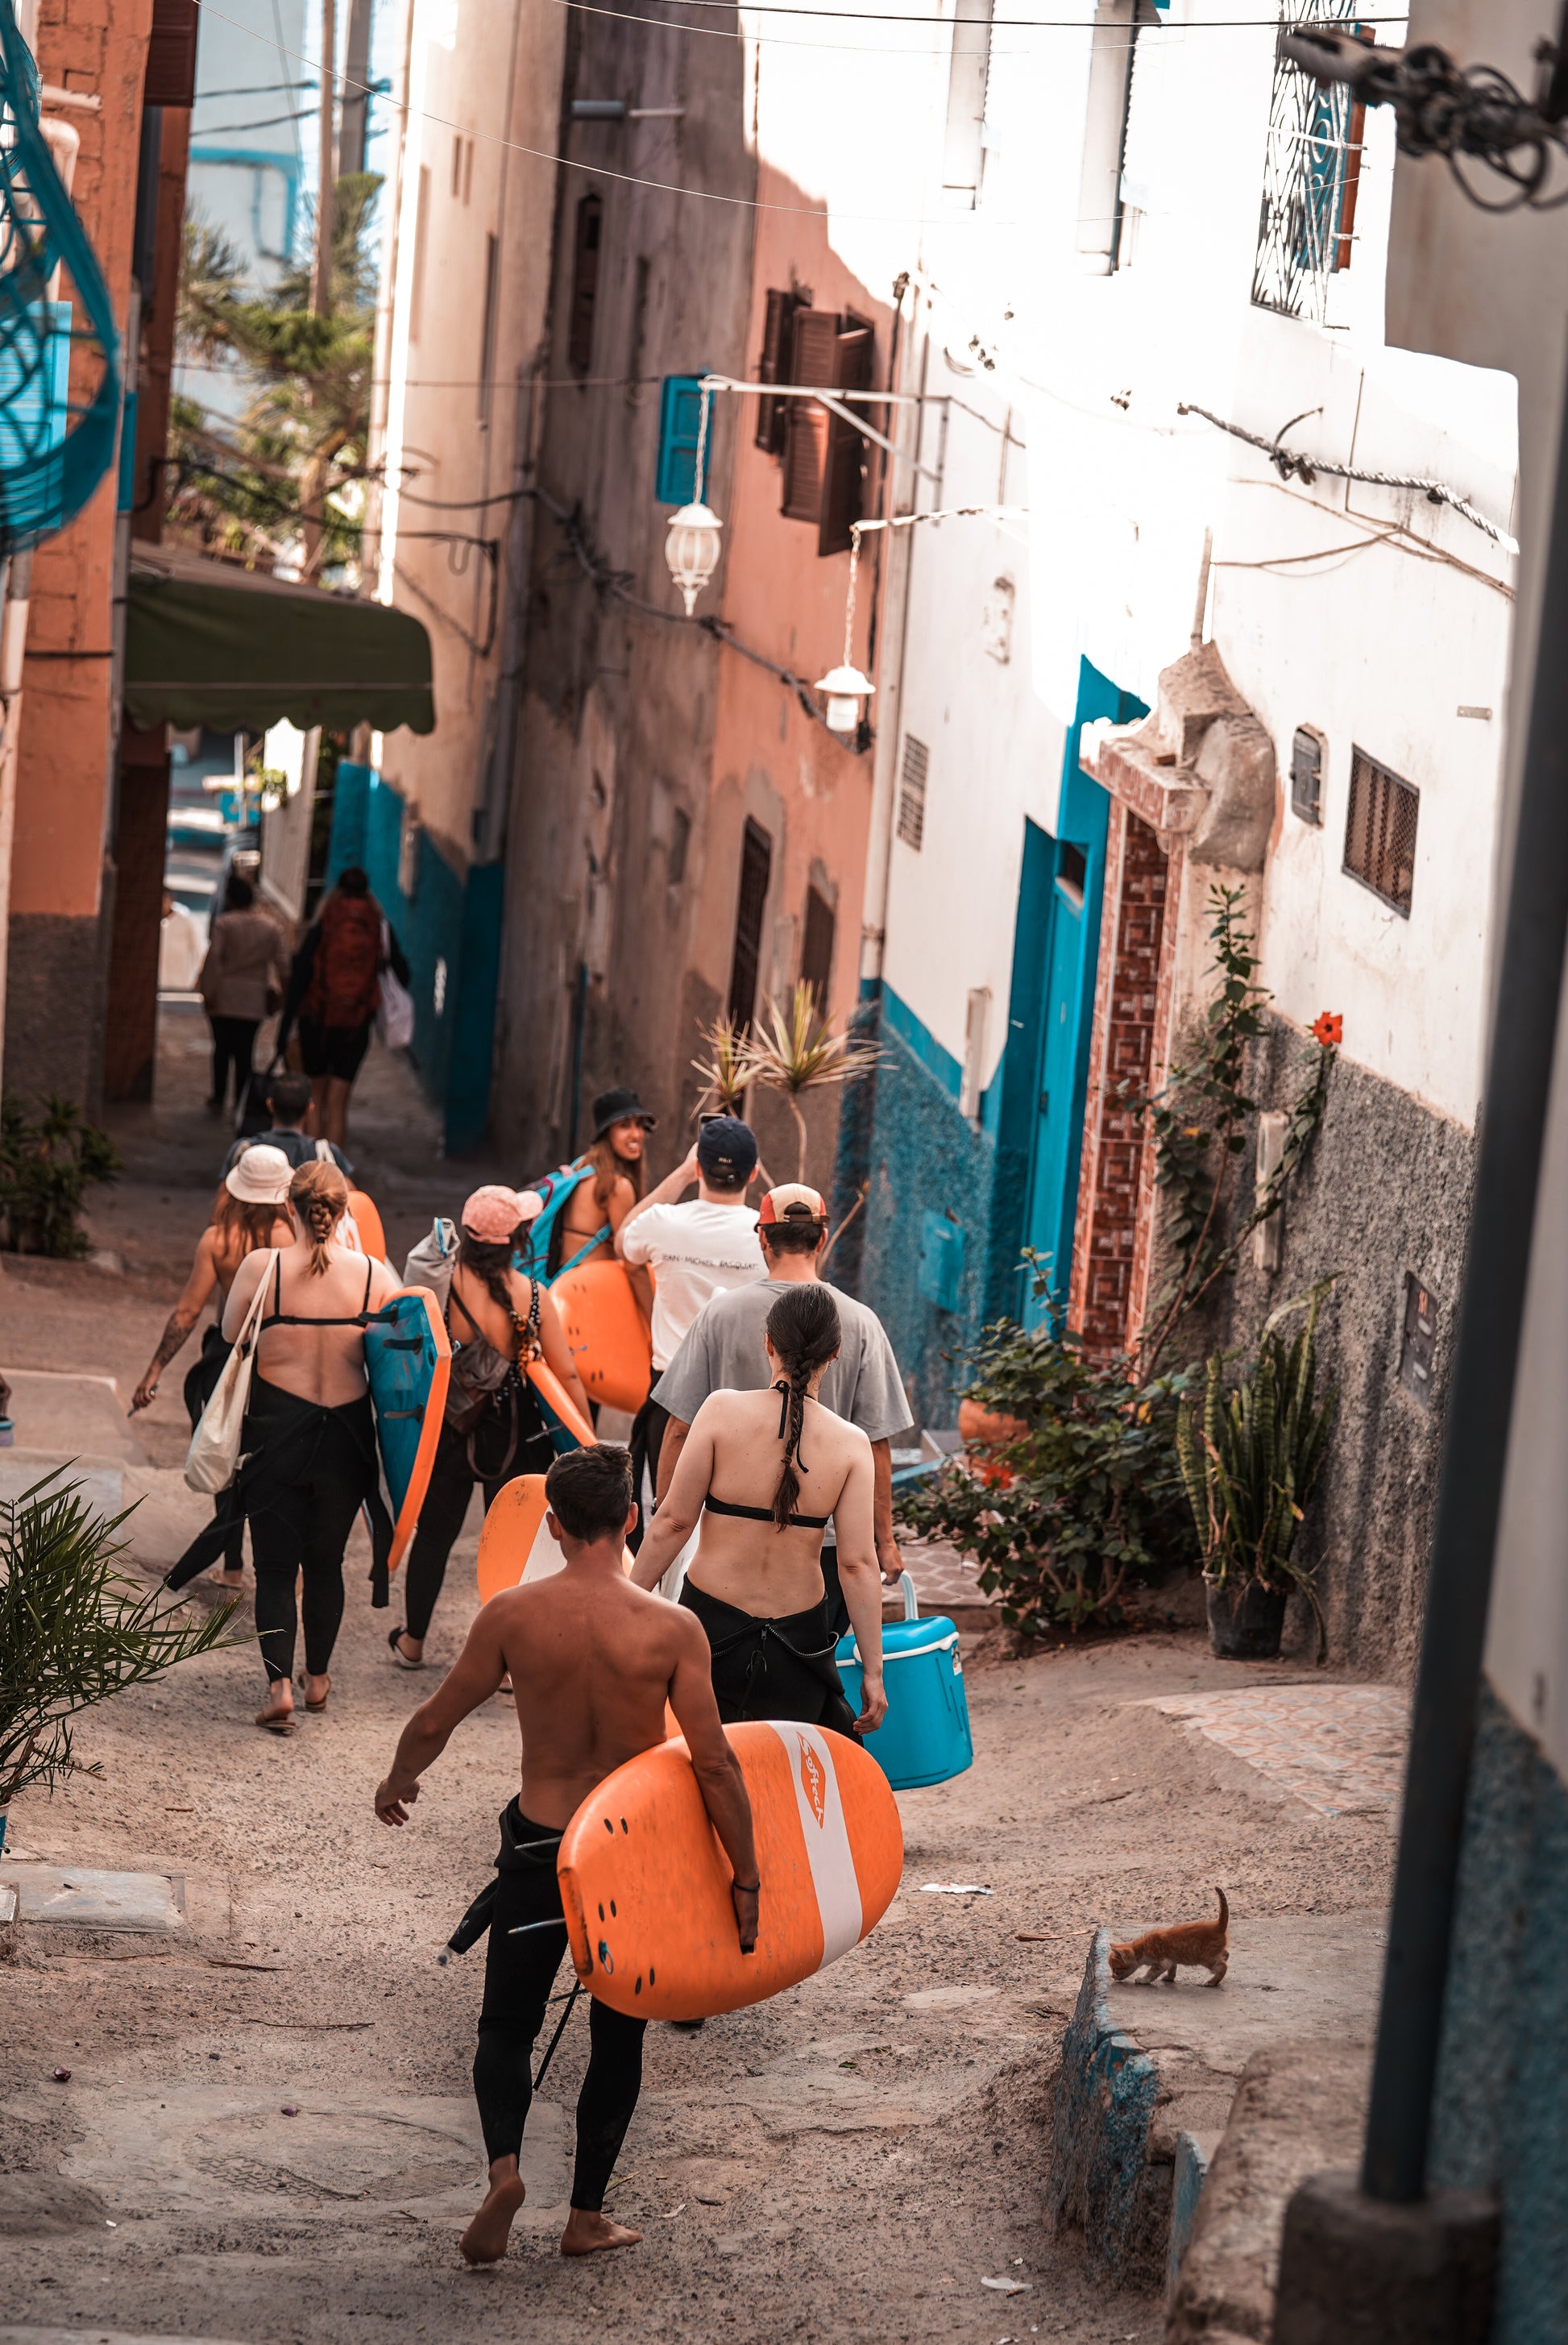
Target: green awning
209,644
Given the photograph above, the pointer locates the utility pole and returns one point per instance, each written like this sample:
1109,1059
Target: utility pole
356,100
322,277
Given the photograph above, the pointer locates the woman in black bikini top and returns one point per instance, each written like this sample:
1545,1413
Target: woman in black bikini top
309,1449
759,1594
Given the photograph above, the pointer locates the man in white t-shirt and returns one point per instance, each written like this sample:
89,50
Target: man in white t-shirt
698,1249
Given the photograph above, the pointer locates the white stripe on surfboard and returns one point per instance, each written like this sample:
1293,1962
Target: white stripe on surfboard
826,1836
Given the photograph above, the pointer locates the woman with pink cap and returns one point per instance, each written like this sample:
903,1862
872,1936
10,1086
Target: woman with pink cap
497,1321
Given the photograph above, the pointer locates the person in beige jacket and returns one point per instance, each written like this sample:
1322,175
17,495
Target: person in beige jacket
241,982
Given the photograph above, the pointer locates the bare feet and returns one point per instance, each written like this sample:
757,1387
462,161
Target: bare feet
485,2240
278,1712
227,1578
585,2234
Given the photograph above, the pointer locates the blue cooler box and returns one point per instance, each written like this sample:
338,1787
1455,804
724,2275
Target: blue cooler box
925,1737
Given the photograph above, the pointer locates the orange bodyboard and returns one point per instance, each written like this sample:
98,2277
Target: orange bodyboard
552,1392
645,1885
514,1544
368,1221
607,1333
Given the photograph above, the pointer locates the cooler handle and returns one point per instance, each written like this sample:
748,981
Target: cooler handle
911,1601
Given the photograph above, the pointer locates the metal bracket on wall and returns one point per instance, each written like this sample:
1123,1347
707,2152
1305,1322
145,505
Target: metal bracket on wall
837,403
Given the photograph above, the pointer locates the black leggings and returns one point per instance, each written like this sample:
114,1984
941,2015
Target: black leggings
233,1040
308,1471
519,1975
446,1502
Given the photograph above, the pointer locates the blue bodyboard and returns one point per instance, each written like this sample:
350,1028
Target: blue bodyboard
407,1359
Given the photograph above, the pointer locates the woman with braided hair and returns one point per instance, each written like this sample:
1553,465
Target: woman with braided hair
787,1466
309,1439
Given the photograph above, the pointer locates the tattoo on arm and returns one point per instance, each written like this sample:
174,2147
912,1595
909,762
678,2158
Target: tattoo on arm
173,1336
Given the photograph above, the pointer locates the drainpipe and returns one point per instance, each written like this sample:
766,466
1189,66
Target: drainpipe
1342,2249
885,771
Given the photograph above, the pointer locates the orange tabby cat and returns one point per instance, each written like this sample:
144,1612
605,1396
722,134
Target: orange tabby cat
1201,1944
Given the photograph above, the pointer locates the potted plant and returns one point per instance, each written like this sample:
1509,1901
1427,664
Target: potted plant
74,1629
1249,1458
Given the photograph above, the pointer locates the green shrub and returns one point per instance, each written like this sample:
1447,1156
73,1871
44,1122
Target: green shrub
1083,1505
46,1170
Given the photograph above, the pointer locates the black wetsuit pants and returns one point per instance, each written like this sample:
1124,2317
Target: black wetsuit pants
772,1668
519,1975
311,1469
463,1459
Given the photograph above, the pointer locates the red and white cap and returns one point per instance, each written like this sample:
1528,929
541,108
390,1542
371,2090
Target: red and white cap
792,1202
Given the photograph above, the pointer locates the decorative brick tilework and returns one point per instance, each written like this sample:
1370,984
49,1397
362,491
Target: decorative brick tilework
1339,1748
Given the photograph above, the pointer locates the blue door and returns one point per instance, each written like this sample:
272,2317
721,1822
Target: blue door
1067,944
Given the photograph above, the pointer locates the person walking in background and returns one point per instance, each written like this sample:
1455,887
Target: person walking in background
334,991
615,1155
309,1445
288,1099
724,1347
250,1210
699,1249
240,983
494,1428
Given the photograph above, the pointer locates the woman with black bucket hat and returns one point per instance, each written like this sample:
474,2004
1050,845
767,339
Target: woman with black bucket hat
597,1207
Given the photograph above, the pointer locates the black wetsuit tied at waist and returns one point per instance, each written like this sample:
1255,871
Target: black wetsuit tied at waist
772,1668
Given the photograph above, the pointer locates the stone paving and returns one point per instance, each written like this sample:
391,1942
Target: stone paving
1339,1748
942,1577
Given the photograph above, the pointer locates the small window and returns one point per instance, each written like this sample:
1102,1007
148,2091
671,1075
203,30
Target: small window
816,947
1380,833
912,792
679,424
966,80
756,866
584,283
1306,775
778,346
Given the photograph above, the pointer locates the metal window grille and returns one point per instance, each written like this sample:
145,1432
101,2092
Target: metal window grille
1302,234
912,792
1380,832
1307,776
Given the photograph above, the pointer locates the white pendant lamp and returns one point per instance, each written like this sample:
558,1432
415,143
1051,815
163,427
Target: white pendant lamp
692,542
845,685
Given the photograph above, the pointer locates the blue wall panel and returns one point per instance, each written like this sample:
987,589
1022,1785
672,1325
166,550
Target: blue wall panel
450,927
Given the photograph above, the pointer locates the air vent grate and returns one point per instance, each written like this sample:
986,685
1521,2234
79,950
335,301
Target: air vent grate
912,792
1380,833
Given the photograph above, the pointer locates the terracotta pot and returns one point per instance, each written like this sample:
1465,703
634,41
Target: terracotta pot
984,1428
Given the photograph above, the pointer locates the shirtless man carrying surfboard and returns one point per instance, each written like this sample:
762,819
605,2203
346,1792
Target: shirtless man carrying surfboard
594,1662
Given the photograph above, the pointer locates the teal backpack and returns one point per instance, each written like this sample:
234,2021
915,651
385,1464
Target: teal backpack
541,1238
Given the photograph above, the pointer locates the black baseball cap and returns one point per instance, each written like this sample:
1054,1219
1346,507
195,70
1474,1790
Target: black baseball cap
620,1106
727,1152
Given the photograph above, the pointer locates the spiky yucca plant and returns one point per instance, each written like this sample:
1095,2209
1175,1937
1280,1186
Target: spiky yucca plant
727,1071
801,1051
75,1629
1251,1456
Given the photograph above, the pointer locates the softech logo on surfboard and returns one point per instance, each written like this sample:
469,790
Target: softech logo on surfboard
813,1781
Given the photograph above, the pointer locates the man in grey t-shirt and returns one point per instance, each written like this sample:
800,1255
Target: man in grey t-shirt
722,1351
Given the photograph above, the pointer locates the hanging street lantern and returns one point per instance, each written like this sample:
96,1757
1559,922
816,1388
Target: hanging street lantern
691,546
845,685
846,688
692,550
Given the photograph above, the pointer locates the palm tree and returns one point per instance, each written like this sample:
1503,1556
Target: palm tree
800,1053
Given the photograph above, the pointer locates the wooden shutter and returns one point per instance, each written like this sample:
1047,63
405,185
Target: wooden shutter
584,284
845,447
778,344
813,356
756,865
816,948
170,78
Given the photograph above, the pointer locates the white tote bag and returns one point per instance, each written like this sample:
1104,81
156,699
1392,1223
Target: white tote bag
213,1460
395,1018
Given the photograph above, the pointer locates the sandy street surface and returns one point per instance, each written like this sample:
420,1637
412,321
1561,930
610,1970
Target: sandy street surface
847,2161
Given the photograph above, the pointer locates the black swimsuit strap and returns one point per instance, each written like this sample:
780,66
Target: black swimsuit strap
279,1318
764,1514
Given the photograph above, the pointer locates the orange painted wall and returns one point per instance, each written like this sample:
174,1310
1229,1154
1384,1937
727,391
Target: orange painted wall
63,756
785,600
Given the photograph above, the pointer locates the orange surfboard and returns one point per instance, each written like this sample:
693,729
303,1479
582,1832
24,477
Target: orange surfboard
607,1333
646,1886
514,1544
551,1391
368,1221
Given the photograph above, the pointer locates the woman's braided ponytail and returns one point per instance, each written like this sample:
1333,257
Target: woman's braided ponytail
803,1330
319,1195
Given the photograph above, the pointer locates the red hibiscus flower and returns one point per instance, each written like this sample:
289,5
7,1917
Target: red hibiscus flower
1329,1031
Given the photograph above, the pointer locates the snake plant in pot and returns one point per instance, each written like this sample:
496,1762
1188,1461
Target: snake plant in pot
1249,1458
75,1629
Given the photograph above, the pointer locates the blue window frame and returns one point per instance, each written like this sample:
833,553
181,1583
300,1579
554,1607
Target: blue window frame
680,418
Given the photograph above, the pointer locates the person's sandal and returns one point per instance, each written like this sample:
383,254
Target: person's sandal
277,1722
316,1708
400,1658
